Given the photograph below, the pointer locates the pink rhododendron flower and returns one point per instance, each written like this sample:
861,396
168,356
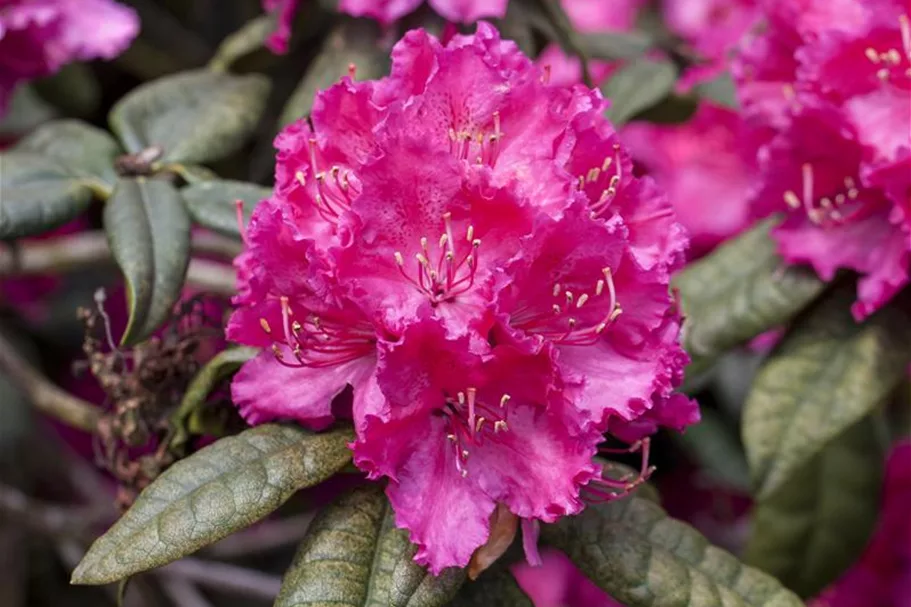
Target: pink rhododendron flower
882,576
706,166
831,85
713,28
384,11
459,258
38,37
557,583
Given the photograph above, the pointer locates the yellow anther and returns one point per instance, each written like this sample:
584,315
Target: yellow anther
265,325
792,200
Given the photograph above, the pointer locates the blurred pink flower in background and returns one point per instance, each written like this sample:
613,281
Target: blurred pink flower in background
830,85
713,28
38,37
707,168
591,17
557,583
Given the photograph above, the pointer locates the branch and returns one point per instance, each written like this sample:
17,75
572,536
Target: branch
46,397
48,519
88,249
220,576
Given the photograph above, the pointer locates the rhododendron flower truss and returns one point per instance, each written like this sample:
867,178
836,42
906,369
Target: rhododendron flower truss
832,85
465,245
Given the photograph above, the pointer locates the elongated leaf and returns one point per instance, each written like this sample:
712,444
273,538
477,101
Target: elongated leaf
196,117
218,490
637,86
38,194
149,233
354,42
815,525
249,38
84,150
611,46
496,587
739,291
642,558
211,203
720,90
222,365
354,556
827,374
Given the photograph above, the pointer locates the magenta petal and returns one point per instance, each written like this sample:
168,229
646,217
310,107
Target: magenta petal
466,11
531,529
96,28
384,11
266,390
447,515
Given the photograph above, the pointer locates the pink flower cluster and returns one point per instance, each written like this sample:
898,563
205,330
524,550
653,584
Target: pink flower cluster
828,83
384,11
38,37
459,258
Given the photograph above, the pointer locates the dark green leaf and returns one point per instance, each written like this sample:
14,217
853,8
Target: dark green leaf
611,46
218,490
248,39
721,90
211,203
85,151
828,373
354,42
26,110
496,587
224,364
354,556
149,233
642,558
196,117
38,195
739,291
715,446
637,86
815,525
74,89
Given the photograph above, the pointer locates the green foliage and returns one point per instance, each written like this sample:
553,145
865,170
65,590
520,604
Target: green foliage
251,37
148,230
739,291
815,525
828,373
353,42
211,203
39,195
637,86
195,117
354,556
642,558
221,366
496,587
218,490
84,150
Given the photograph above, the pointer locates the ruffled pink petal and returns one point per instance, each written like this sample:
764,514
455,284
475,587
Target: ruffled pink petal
384,11
467,11
713,27
447,515
882,120
266,390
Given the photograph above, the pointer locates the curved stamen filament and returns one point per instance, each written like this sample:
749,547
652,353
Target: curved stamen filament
470,422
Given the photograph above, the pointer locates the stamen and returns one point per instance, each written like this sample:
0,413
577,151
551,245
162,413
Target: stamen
265,326
239,210
352,70
504,400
